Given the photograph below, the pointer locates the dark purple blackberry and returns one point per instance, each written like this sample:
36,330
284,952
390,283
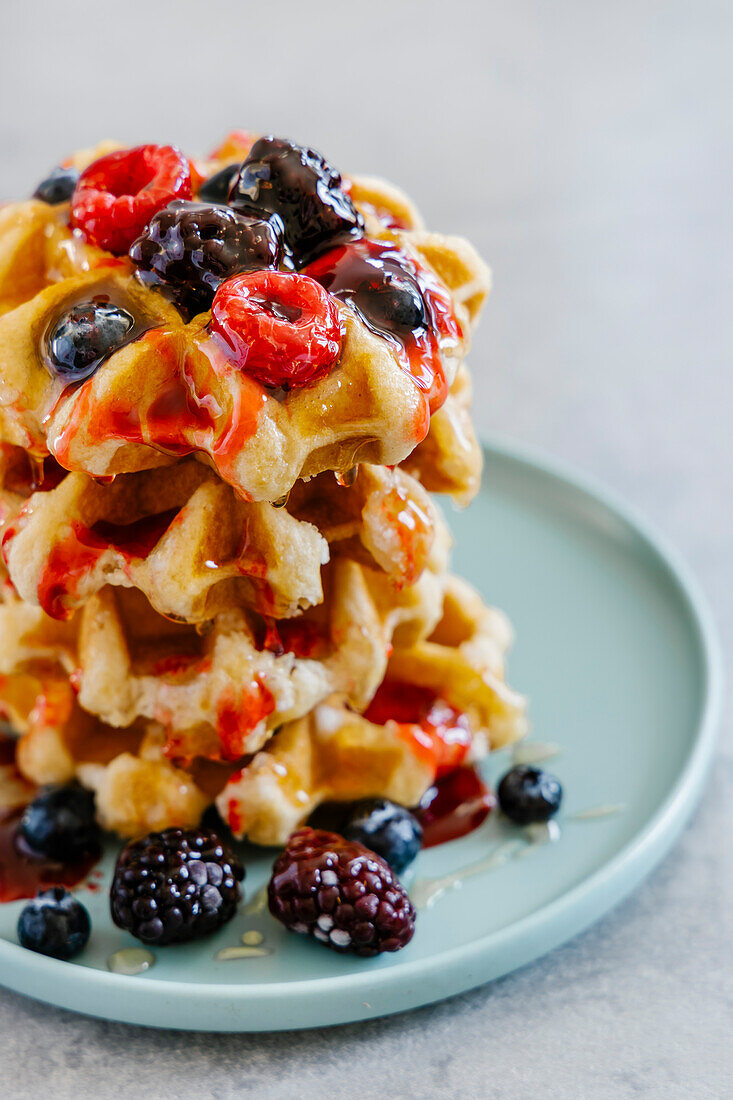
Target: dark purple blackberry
303,190
384,827
217,187
189,248
175,886
54,923
85,335
340,893
529,795
59,823
57,187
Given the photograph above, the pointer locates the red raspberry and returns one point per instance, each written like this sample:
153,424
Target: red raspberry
341,893
117,195
283,329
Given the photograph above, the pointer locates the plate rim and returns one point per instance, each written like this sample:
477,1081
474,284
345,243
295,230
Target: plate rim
92,991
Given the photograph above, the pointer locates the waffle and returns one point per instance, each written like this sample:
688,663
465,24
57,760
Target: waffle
172,390
183,538
207,585
335,754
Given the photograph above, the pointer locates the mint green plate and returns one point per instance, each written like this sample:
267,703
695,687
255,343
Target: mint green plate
616,651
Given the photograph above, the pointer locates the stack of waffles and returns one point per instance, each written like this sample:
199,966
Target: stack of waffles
216,592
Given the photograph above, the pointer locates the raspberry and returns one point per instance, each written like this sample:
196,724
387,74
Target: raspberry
304,191
117,195
189,248
175,886
341,893
283,329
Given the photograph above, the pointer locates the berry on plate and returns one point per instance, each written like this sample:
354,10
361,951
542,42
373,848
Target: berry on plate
189,248
59,823
174,886
118,194
390,830
341,894
282,328
529,795
54,923
303,190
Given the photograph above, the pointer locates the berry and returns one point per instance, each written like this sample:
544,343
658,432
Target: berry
60,823
386,828
117,195
528,795
175,886
58,186
86,335
217,187
54,923
341,893
304,191
282,328
377,280
189,248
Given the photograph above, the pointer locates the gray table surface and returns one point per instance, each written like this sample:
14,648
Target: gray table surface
583,147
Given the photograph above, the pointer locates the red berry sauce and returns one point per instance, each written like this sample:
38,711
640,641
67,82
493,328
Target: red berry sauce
454,806
24,872
438,734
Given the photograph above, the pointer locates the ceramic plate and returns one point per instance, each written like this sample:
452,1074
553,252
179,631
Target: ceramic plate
615,649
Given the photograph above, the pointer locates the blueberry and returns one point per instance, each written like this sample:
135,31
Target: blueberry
85,335
60,823
393,303
528,795
217,187
302,190
386,828
57,187
55,924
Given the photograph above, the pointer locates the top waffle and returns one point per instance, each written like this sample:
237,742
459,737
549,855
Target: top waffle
284,324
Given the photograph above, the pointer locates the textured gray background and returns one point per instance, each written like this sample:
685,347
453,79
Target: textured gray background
582,146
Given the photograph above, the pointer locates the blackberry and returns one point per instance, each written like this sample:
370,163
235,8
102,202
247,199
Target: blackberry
217,187
175,886
59,823
54,923
341,894
528,795
386,828
85,335
57,187
189,248
303,190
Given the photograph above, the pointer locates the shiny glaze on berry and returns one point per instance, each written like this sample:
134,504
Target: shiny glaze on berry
398,300
189,248
299,187
85,335
24,872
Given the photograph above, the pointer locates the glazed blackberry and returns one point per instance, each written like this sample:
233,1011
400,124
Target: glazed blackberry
217,187
59,823
175,886
189,248
54,923
341,894
386,828
529,795
303,190
85,335
57,187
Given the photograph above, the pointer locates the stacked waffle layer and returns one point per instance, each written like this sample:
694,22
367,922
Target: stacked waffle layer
220,585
